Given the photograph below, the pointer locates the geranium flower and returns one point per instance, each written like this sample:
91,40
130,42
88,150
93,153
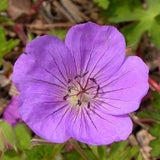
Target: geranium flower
83,88
11,114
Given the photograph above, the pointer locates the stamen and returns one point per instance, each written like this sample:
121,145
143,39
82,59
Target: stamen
65,97
93,80
79,102
88,105
77,76
98,88
69,88
84,74
69,81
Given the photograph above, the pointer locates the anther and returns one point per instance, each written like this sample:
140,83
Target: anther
93,80
70,88
84,73
88,105
69,80
65,97
98,88
79,102
77,76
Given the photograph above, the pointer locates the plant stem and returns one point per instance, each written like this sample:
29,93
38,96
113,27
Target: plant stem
154,84
79,150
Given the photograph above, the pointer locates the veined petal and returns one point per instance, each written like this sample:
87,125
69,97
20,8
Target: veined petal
48,59
45,115
97,49
123,92
95,128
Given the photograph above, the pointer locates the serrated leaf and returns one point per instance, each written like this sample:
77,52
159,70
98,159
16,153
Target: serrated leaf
102,3
23,137
143,20
3,5
7,135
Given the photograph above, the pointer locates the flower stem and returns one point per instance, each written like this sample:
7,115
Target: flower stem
79,150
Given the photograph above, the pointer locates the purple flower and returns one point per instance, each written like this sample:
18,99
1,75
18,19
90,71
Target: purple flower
83,88
11,114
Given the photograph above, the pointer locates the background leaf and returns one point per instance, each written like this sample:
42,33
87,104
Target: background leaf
23,136
7,136
3,5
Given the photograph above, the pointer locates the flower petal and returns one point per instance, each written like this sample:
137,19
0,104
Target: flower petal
97,49
48,59
95,128
123,92
44,115
11,114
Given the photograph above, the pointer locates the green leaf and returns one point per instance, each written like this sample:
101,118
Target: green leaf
11,155
139,157
23,136
118,146
60,33
102,150
6,20
3,5
156,100
155,114
155,130
40,152
72,155
102,3
5,47
122,151
7,135
2,145
143,20
94,150
155,152
2,36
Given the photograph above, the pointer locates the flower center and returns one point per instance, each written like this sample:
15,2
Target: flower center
81,92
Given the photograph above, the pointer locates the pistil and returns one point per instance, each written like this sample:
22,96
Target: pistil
77,95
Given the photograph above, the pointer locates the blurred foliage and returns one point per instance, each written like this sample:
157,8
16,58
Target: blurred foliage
134,18
60,33
15,143
155,129
121,151
102,3
139,19
5,46
7,137
3,7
